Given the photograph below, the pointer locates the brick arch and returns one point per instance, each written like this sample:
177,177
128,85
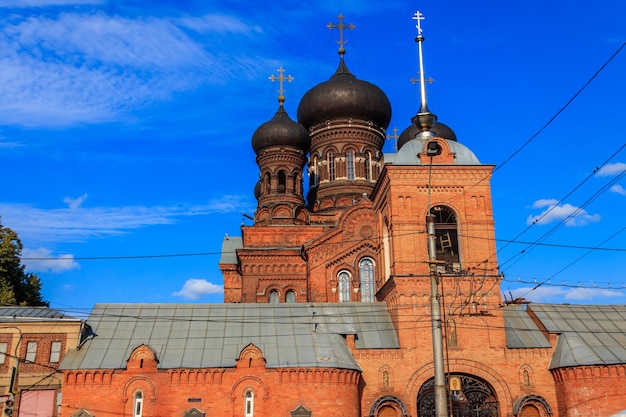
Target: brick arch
139,382
388,401
248,382
533,400
469,367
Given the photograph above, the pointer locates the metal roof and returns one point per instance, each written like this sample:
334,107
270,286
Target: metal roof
229,249
14,314
587,334
521,331
213,335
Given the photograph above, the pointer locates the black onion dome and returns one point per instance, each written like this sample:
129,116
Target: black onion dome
281,130
439,129
257,190
344,96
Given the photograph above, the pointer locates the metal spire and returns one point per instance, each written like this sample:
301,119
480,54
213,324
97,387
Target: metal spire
424,119
280,78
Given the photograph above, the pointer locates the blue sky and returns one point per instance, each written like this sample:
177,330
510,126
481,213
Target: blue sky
125,130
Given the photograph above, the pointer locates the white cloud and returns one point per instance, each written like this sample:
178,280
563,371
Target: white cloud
554,294
610,170
73,68
218,22
79,224
575,216
618,189
74,203
195,288
43,260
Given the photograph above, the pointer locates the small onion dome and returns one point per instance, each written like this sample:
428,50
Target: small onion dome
344,96
257,190
281,130
439,129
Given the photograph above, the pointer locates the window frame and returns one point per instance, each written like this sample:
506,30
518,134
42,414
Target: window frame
248,408
350,168
55,351
344,278
31,352
138,404
367,279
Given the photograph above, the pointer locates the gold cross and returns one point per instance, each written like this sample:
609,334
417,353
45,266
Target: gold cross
395,138
341,27
414,80
281,78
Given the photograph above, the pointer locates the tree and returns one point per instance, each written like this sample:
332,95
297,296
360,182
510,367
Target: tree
16,286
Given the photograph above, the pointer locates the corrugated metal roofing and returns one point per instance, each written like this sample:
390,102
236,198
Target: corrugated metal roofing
521,331
587,334
213,335
31,313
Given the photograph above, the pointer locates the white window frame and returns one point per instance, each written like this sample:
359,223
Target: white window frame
248,410
343,286
31,352
3,351
55,351
138,404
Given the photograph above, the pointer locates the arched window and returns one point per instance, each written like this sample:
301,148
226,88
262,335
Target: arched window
290,297
138,405
315,176
368,166
350,164
446,234
274,297
249,405
268,183
344,286
366,274
331,166
282,182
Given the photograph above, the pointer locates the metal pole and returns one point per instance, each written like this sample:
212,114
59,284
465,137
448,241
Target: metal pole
441,407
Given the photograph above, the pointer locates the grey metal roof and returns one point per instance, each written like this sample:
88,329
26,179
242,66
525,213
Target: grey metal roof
229,248
213,335
521,331
14,314
587,334
408,154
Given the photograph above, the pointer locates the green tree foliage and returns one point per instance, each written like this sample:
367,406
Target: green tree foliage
16,286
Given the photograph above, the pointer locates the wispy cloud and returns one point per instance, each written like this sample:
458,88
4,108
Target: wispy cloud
552,294
74,203
573,216
79,224
73,68
196,288
610,170
618,189
43,260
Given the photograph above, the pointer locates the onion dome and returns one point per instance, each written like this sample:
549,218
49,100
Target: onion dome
440,130
281,131
257,189
344,96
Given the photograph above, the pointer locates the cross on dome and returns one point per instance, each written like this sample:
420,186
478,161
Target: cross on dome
280,78
341,27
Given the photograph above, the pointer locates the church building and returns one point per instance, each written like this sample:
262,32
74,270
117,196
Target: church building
329,296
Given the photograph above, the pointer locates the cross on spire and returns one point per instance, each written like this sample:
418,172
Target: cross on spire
280,78
394,137
418,17
341,27
429,80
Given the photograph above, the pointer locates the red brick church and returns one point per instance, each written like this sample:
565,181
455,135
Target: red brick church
328,296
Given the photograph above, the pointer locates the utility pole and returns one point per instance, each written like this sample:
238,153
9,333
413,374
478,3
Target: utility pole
425,120
441,405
